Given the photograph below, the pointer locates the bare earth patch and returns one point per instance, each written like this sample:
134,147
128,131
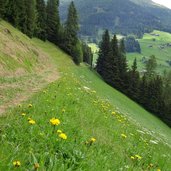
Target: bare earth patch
24,69
33,84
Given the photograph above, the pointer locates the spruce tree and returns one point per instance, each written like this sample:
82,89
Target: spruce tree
2,8
143,91
123,66
71,42
134,80
40,30
155,95
11,11
21,20
53,21
151,66
30,17
15,13
115,62
104,52
87,54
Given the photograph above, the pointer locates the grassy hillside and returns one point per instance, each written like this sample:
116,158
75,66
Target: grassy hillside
24,68
154,45
160,46
105,130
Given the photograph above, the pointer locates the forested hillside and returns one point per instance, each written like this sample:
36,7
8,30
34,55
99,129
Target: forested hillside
120,16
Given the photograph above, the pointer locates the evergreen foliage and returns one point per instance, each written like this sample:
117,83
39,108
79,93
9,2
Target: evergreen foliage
40,30
40,19
123,66
104,53
151,66
2,8
53,21
30,17
134,79
115,62
150,91
71,42
132,45
21,14
87,54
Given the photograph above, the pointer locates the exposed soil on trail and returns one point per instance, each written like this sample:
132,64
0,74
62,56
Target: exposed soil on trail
27,88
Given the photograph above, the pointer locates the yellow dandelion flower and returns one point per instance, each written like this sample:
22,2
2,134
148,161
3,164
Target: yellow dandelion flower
59,131
123,136
32,122
113,113
16,163
23,114
132,157
63,136
36,166
158,169
92,140
138,157
55,121
30,105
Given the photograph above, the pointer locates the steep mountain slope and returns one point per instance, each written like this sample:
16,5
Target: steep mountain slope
101,128
24,69
121,16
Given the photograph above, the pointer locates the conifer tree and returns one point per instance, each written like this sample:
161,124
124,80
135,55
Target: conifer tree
30,17
87,54
123,66
115,62
53,21
2,8
151,66
11,11
134,79
15,13
155,95
71,43
143,91
104,52
40,30
21,18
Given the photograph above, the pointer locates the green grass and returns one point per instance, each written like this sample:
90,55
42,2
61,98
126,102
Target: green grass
84,104
162,55
95,50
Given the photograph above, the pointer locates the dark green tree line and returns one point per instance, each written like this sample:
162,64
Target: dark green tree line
41,25
149,90
40,19
71,44
53,21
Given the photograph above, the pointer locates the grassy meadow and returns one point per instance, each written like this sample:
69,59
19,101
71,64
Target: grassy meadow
80,123
150,45
153,45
